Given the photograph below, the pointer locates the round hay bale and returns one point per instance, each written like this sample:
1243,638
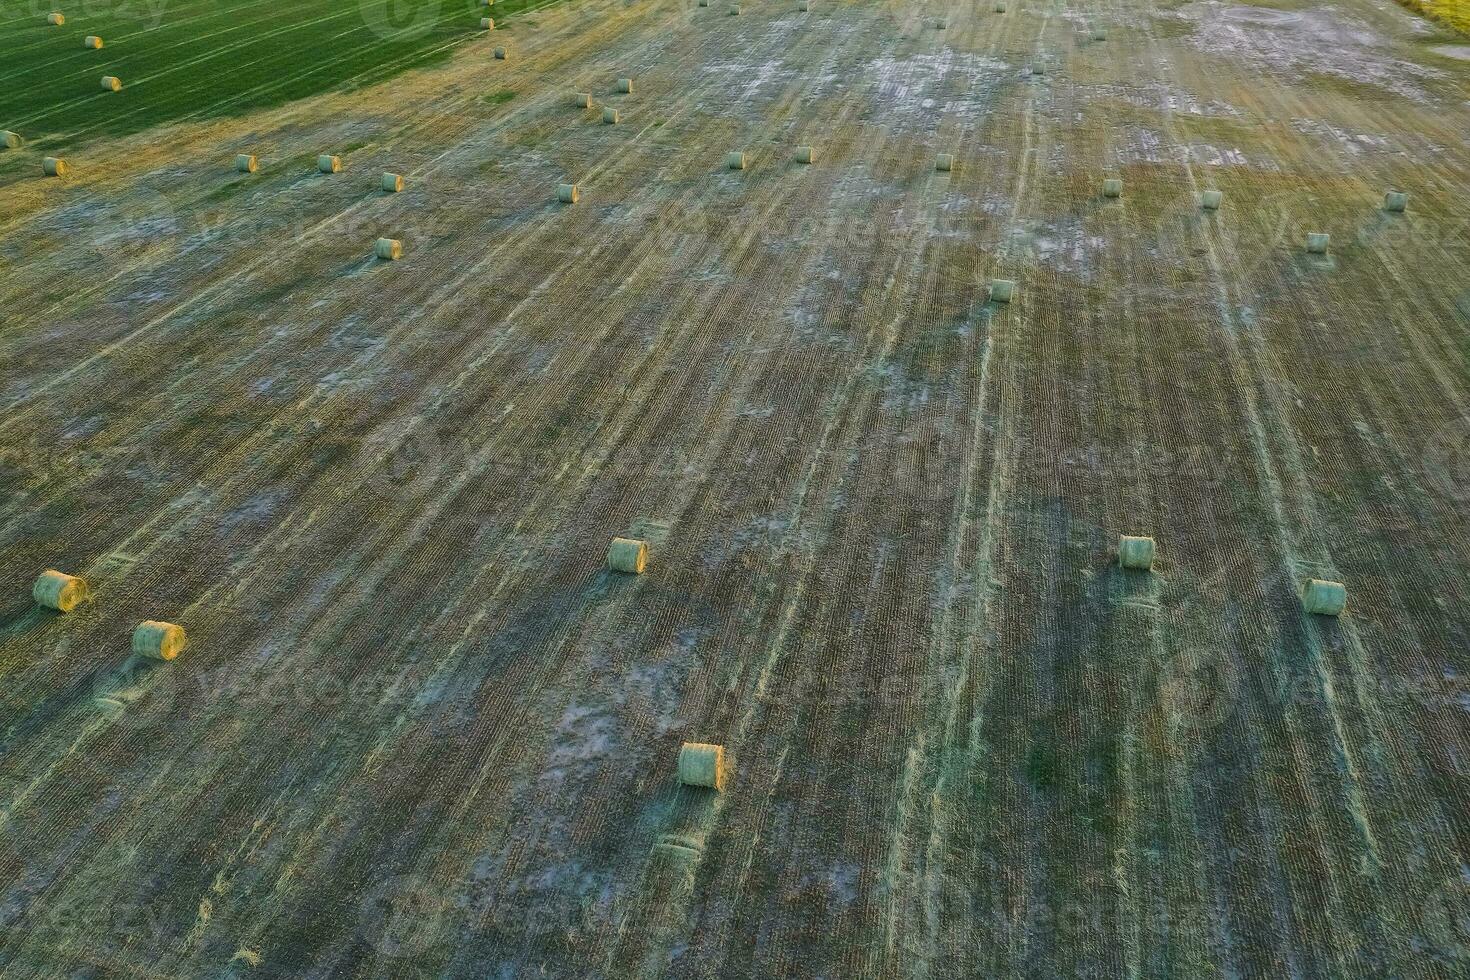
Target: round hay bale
111,83
328,164
702,765
584,100
55,19
246,163
1136,552
804,6
625,86
487,3
1395,201
501,54
53,167
392,183
568,193
627,555
388,249
1000,7
59,591
610,115
944,162
1099,33
941,23
735,161
487,23
1317,242
735,11
92,41
1324,598
162,641
704,3
1112,187
1211,200
9,140
806,154
1002,290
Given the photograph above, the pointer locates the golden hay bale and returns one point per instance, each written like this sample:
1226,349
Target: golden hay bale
568,193
55,20
609,115
59,591
1395,201
328,164
501,54
9,140
627,555
388,249
1112,187
806,154
246,163
584,100
625,86
92,41
735,161
1323,598
944,162
702,764
111,83
53,167
1002,290
487,23
162,641
1135,552
1211,200
392,183
1317,242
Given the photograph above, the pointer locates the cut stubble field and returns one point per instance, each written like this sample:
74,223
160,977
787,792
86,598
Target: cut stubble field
422,730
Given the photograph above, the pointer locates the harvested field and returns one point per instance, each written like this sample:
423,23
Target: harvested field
420,728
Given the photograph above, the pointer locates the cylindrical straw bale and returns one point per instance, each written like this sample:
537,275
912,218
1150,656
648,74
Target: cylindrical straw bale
1136,552
1324,598
702,765
59,591
162,641
627,555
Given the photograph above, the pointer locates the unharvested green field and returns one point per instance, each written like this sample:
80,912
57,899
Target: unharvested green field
1456,13
200,58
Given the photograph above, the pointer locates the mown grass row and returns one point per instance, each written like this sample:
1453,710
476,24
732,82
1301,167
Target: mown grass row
203,58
